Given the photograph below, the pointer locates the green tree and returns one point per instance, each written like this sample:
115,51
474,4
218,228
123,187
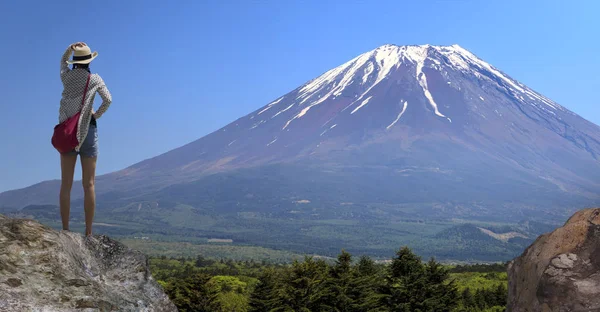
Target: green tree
228,294
189,294
303,287
366,284
263,295
500,294
338,292
441,294
414,286
405,283
366,266
467,298
202,262
480,300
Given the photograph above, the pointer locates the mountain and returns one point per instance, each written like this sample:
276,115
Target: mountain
397,134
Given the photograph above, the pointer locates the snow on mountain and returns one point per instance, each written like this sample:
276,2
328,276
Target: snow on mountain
368,70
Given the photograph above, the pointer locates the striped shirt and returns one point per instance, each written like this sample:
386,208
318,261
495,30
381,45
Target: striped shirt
74,81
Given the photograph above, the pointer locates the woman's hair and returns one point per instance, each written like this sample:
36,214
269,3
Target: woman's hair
84,66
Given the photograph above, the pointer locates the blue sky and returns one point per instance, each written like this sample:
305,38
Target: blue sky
179,70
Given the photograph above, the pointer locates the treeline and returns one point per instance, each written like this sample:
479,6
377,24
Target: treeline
482,268
405,284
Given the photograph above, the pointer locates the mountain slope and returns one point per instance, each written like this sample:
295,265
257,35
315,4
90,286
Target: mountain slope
398,133
423,106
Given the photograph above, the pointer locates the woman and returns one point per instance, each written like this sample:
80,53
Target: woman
73,101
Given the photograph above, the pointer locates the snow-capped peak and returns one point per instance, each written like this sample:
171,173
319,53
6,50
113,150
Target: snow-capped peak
368,69
357,78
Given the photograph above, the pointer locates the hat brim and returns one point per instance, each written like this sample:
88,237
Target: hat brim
94,55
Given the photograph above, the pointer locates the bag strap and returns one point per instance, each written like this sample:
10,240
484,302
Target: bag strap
85,91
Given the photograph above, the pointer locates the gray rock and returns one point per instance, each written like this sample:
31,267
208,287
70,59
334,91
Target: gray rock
560,271
45,270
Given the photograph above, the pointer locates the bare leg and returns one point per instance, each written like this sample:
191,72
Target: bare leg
67,166
88,166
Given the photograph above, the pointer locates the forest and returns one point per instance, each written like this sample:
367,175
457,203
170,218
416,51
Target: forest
406,283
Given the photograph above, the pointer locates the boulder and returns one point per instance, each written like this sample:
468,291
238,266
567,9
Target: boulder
560,271
45,270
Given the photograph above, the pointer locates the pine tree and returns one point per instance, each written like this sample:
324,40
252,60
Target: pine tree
366,283
190,294
440,294
405,282
337,293
480,299
414,286
467,298
366,266
202,262
500,295
263,295
406,264
303,287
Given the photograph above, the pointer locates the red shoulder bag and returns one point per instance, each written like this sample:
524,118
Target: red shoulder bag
64,138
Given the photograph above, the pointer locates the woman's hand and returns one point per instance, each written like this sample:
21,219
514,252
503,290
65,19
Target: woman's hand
77,44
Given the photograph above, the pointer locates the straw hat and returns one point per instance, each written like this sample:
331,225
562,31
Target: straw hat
82,55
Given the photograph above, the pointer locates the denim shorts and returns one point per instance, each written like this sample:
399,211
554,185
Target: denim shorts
89,148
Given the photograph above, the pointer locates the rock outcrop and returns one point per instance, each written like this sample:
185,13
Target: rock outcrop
560,271
45,270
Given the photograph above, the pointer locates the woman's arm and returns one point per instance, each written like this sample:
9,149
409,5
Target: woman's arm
106,99
64,67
